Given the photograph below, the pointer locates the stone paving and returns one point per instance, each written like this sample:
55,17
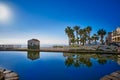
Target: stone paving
112,76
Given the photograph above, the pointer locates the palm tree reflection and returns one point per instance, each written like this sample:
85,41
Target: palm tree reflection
102,61
69,61
86,59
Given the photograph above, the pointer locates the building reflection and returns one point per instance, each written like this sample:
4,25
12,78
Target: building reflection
118,61
84,59
33,55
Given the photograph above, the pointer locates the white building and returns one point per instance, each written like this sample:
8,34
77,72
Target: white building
33,44
113,37
116,35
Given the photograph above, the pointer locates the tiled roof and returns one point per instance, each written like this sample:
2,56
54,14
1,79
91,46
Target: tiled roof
33,40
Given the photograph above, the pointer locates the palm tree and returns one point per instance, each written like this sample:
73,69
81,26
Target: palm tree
88,29
95,37
70,33
101,33
81,33
84,36
76,29
72,37
67,31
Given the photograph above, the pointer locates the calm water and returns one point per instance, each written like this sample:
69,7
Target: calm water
59,66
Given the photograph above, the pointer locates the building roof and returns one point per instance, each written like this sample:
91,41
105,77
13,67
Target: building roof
118,29
34,40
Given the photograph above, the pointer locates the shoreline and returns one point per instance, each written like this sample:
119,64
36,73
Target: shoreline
69,50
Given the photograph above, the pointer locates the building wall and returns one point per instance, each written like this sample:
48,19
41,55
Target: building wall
113,37
109,38
116,36
33,44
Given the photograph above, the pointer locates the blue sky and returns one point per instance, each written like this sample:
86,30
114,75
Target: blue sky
47,19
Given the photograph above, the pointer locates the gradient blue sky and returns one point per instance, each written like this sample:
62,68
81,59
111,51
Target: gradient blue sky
47,19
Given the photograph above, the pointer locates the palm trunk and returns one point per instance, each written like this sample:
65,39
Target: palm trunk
102,39
83,42
89,38
95,42
77,39
69,41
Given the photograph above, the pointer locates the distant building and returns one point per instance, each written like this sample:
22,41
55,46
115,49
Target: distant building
116,36
33,44
113,37
109,38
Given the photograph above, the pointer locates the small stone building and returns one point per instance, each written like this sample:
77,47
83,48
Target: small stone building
33,44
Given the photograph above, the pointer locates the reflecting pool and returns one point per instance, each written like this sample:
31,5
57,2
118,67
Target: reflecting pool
59,66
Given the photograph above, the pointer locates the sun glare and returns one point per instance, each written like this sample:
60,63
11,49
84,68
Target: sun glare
5,13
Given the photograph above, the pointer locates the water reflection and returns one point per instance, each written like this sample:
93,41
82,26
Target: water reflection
118,61
86,59
33,55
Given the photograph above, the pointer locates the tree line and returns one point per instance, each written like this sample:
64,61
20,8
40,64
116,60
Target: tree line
78,36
